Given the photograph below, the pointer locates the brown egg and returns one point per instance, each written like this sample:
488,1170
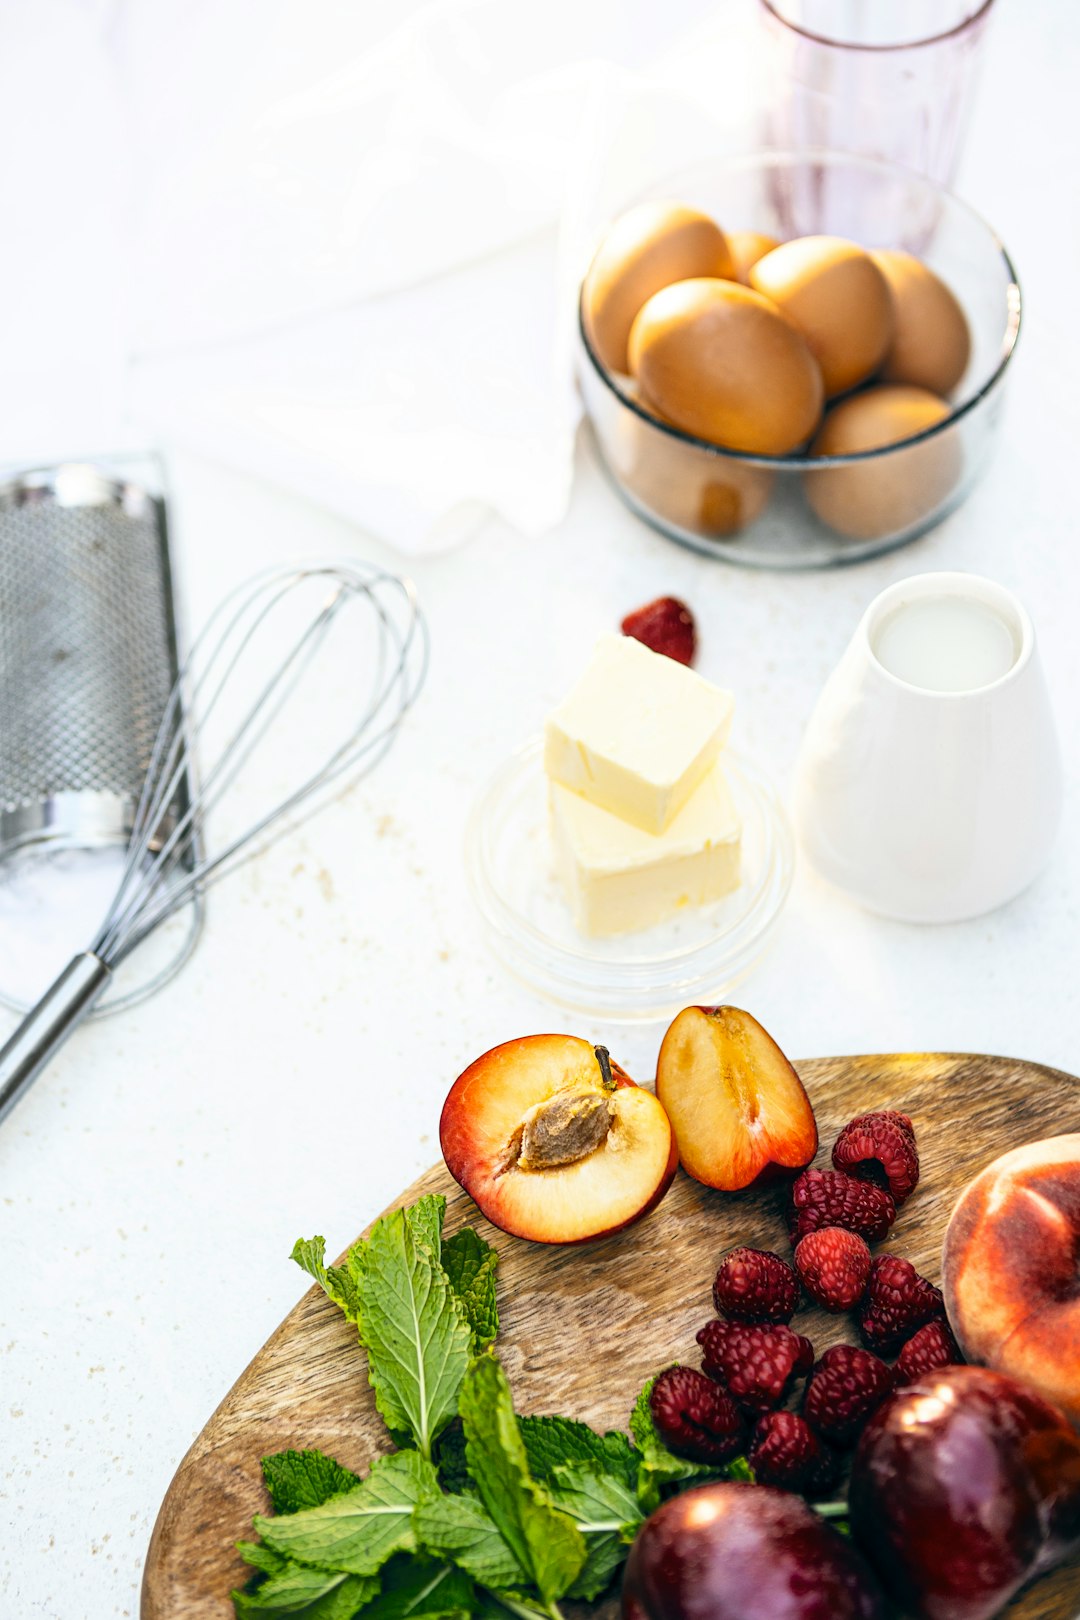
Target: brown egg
723,364
747,247
708,495
839,300
885,496
931,343
646,249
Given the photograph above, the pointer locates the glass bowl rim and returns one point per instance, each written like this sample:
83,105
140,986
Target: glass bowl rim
629,988
802,463
857,45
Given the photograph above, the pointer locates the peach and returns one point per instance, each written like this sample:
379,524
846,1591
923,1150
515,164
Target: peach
555,1142
736,1105
1009,1268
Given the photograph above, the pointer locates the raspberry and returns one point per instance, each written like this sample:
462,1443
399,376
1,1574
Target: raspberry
846,1387
756,1363
664,626
785,1451
831,1198
880,1148
834,1266
894,1116
755,1285
897,1302
933,1346
695,1417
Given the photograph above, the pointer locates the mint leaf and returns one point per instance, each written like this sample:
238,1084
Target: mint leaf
596,1501
337,1282
604,1557
470,1264
303,1479
546,1543
605,1508
307,1594
359,1530
454,1473
461,1529
739,1468
659,1466
552,1441
417,1588
310,1256
425,1221
261,1557
414,1329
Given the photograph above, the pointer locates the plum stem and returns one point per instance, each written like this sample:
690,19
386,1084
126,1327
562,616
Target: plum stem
603,1057
831,1510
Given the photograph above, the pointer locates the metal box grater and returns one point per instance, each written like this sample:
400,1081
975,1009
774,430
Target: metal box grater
88,657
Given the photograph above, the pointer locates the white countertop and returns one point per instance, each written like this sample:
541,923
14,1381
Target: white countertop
289,1081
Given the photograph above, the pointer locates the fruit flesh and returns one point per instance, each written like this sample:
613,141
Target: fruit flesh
548,1148
736,1105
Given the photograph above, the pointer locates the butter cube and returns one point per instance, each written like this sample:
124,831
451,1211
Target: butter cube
618,878
638,733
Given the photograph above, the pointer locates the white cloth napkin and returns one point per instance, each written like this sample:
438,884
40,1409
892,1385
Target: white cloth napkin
338,245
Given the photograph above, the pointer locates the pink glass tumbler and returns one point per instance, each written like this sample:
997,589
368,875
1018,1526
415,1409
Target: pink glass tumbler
891,79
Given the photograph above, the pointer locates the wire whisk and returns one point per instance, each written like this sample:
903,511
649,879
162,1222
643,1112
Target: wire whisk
224,704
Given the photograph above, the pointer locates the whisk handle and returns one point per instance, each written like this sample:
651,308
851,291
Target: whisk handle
47,1026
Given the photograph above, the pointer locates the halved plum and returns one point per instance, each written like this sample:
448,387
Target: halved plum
555,1142
737,1107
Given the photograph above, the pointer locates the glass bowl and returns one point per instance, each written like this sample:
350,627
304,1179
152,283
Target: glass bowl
698,956
796,511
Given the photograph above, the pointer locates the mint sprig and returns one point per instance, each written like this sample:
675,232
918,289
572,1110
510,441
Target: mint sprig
548,1546
480,1514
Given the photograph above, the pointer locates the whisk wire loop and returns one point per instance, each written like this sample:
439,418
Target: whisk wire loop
165,864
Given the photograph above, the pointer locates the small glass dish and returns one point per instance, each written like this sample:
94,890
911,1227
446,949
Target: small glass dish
760,510
699,956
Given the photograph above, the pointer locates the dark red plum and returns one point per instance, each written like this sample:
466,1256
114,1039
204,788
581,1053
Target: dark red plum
965,1486
735,1551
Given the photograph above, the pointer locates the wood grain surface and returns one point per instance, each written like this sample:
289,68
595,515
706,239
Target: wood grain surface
583,1328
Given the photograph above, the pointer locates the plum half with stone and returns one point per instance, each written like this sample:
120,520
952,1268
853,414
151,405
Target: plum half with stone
555,1142
737,1107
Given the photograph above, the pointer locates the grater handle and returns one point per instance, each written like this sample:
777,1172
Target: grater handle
47,1026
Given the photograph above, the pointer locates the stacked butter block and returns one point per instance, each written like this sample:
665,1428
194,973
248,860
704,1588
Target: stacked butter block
642,819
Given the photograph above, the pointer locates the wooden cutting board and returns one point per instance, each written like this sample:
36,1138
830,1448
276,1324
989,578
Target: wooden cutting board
583,1328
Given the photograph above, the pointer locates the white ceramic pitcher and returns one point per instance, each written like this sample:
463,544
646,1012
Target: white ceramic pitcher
929,805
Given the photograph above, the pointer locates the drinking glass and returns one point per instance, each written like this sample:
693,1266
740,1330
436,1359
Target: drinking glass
890,79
